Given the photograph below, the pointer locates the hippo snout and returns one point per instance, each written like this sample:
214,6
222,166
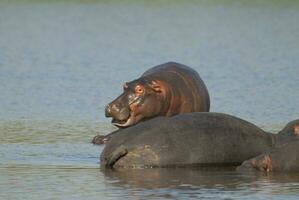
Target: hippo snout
117,112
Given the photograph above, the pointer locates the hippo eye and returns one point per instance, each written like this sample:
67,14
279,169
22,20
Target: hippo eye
139,89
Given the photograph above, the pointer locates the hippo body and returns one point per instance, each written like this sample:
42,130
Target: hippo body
192,139
164,90
280,159
284,157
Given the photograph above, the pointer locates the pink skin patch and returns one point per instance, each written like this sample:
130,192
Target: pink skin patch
296,130
267,163
253,162
262,163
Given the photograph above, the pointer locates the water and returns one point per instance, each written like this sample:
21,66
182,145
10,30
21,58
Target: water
62,61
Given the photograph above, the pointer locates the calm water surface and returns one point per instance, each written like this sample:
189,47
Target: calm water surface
62,61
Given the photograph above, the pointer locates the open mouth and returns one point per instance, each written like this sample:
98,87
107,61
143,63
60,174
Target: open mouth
116,121
123,123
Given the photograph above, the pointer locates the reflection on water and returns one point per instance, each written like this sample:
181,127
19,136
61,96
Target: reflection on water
38,182
198,183
43,182
62,61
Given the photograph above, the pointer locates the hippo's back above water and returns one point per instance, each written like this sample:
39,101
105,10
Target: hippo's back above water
185,82
187,139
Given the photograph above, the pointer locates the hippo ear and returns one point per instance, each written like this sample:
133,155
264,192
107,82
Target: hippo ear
156,86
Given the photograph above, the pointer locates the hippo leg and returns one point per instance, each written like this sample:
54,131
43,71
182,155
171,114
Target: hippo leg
101,139
115,156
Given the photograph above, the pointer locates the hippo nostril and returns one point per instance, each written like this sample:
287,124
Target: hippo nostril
117,112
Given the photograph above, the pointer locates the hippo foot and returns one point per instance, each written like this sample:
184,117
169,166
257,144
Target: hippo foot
100,139
261,163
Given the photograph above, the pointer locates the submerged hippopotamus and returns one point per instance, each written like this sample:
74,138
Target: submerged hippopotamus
199,139
164,90
285,155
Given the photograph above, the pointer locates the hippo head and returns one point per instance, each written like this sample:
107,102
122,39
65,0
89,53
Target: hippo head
141,99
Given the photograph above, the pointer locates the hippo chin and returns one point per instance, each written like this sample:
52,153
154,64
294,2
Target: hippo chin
164,90
284,157
192,139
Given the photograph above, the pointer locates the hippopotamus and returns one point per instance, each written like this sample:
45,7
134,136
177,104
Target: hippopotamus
165,90
189,139
283,157
280,159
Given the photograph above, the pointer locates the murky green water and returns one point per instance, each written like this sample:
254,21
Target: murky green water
62,61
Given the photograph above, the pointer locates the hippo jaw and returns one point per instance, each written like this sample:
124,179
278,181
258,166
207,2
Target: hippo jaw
131,118
124,123
121,117
130,121
136,103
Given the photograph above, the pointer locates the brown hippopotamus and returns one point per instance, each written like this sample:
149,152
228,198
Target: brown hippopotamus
285,155
200,139
164,90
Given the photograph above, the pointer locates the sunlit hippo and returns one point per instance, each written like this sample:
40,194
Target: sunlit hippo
190,139
164,90
284,157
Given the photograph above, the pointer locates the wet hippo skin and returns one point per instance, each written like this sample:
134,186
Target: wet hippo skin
165,90
283,158
192,139
280,159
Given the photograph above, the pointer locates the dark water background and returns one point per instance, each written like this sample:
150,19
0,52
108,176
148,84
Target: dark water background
62,61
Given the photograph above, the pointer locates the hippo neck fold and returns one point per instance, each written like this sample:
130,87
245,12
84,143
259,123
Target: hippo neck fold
173,101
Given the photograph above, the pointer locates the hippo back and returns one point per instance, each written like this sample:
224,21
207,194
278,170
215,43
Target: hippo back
187,139
185,81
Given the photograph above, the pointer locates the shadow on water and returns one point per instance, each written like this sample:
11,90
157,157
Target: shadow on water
195,182
193,177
